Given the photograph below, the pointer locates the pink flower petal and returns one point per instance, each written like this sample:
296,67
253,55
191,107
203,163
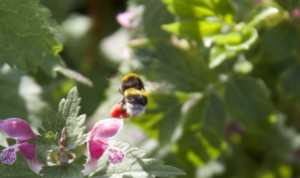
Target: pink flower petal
106,128
96,148
126,19
115,155
8,155
17,129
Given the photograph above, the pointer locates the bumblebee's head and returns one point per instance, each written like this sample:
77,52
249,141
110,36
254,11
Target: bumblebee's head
131,80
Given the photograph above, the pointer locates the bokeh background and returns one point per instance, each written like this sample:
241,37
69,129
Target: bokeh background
222,76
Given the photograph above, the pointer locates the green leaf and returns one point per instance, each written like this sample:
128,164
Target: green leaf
11,103
250,36
17,170
201,9
67,117
160,114
193,30
71,170
26,31
289,83
194,9
262,15
218,55
202,138
248,103
135,165
189,71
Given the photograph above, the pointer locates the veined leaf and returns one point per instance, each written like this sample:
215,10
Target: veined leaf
26,36
71,170
248,103
135,165
202,138
193,30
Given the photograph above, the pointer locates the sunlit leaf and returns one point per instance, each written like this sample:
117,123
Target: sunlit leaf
202,138
218,55
193,30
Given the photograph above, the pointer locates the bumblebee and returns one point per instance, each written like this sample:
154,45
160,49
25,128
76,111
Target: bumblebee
134,99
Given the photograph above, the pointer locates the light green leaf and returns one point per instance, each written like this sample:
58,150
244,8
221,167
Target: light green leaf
135,165
17,170
248,103
250,36
200,9
228,38
193,30
71,170
202,138
262,15
218,55
194,9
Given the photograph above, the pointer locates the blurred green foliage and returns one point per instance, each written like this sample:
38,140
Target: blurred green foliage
224,76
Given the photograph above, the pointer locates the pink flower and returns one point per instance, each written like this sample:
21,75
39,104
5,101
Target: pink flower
126,19
98,143
19,130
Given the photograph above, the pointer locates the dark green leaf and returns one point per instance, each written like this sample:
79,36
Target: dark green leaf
27,33
289,83
248,103
202,138
189,71
135,165
193,30
28,29
11,103
72,170
160,113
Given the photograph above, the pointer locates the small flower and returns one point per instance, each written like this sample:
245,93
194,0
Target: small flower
126,19
98,143
19,130
115,155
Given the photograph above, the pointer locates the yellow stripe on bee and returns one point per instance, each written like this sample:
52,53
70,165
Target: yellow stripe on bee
133,91
130,75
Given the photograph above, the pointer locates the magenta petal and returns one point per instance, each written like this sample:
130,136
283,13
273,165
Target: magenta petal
115,155
96,148
17,129
27,150
106,128
8,155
